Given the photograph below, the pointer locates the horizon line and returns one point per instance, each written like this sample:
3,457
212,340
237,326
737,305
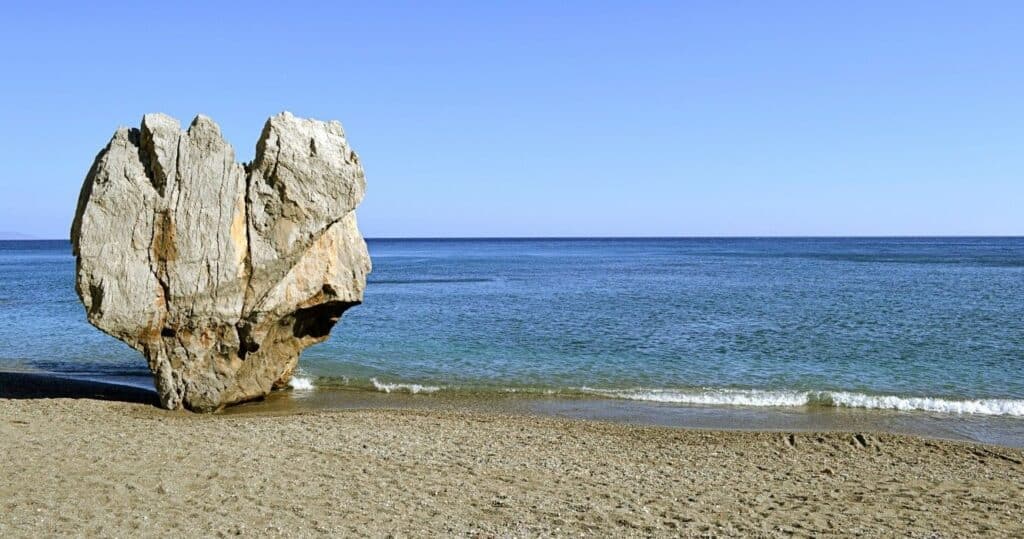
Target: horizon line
656,237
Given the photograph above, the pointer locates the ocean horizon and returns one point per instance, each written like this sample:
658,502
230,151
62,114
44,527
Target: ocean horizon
32,238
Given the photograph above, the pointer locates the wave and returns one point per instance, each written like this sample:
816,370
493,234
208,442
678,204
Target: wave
839,399
529,390
301,383
398,388
701,396
731,397
1011,407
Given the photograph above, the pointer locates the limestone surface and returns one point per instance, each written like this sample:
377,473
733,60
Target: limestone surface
220,273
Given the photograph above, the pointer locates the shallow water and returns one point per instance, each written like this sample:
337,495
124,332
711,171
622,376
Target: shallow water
930,325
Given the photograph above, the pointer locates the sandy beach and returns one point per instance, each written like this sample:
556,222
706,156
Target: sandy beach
107,468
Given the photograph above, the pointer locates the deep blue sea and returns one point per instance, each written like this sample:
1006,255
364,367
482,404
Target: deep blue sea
926,324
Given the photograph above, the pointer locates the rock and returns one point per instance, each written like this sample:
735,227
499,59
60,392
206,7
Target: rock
220,273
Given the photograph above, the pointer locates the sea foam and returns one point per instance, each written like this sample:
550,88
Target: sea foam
1012,407
754,397
408,388
733,397
301,383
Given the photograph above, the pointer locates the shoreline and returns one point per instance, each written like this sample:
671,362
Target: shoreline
990,430
131,469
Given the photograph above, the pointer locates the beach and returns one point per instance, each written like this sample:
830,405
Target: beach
108,468
485,269
671,387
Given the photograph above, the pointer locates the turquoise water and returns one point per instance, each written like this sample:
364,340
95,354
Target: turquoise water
930,324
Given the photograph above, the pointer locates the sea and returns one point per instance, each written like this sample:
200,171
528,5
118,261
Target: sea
918,333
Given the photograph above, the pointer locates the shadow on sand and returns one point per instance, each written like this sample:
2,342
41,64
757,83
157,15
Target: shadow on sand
20,385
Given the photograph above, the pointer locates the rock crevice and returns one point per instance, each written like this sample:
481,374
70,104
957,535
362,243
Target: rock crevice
220,273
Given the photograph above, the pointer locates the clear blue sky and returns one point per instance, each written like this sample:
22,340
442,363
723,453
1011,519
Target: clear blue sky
555,118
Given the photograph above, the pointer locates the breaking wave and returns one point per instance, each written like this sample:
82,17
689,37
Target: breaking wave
732,397
301,383
1012,407
840,399
398,388
708,396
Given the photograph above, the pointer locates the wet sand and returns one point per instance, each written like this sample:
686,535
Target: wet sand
996,430
93,467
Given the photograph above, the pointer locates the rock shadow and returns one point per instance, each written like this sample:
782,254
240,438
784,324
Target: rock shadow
20,385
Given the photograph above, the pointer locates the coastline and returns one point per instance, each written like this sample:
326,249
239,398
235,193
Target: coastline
1004,431
130,469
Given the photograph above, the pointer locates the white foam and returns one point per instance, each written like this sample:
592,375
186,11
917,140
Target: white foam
755,397
301,383
1009,407
730,397
528,390
409,388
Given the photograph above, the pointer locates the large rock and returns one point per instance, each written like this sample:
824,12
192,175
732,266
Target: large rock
220,273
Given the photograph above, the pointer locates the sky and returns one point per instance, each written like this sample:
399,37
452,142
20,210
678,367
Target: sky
680,118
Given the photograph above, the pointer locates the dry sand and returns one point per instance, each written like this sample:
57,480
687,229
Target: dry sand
95,468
